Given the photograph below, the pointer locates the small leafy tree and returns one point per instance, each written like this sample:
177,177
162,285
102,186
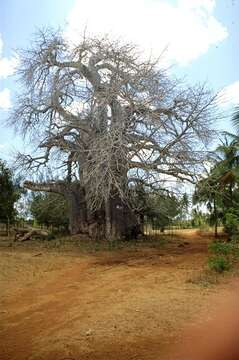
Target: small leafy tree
184,206
9,193
199,219
50,209
207,192
162,209
182,217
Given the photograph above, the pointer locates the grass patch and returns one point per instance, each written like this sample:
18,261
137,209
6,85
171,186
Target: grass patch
206,278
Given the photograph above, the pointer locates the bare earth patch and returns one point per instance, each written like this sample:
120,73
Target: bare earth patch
121,305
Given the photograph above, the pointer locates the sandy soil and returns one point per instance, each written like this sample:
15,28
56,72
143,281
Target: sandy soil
130,304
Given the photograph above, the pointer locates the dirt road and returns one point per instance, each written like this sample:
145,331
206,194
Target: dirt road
125,305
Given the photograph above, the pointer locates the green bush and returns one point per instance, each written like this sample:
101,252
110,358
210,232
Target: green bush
224,255
219,263
218,248
231,222
229,249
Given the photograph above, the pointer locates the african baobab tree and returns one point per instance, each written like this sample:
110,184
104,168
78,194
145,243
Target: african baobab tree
108,120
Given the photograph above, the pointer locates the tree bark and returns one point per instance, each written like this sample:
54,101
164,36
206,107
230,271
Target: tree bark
78,216
108,223
124,222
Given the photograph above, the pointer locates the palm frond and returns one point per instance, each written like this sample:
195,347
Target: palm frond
235,119
228,134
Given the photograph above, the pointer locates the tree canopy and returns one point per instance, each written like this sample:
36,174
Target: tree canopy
49,209
162,209
9,193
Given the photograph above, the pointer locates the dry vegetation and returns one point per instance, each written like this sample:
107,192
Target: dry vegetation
61,300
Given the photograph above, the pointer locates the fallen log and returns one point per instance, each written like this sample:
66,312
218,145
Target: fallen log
19,232
30,233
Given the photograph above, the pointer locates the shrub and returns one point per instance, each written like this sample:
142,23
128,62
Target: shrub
219,263
224,255
231,222
218,248
229,249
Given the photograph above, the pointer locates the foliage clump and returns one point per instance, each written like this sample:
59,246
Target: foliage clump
231,219
9,194
224,255
219,263
50,209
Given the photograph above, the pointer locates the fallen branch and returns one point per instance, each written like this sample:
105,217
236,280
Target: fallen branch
28,234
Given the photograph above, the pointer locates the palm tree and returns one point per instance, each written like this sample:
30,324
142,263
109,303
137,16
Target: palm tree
217,189
207,191
227,166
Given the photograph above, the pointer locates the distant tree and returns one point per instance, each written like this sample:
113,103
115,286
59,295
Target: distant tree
9,193
218,190
184,206
207,191
161,209
50,209
199,218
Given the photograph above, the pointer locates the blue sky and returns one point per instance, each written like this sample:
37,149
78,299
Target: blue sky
202,37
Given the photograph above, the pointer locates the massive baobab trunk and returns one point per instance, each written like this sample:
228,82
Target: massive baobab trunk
78,216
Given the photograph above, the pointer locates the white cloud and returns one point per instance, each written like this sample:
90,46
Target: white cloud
5,101
188,29
208,5
7,65
229,96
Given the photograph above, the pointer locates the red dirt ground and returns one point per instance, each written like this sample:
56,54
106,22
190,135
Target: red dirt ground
130,304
